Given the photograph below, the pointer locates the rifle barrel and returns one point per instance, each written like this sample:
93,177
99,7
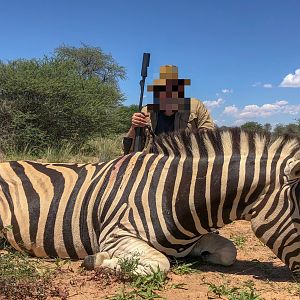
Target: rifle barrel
138,131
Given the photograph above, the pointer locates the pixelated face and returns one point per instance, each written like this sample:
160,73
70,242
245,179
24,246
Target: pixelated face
170,97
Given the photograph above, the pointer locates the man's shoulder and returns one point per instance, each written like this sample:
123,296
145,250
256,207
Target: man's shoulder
196,104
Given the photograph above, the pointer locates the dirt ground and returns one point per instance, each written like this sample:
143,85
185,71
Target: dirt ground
256,265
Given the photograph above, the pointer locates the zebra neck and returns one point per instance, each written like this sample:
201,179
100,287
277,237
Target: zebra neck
205,193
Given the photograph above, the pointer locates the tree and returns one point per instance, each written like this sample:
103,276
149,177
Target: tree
267,127
123,116
91,61
252,126
292,128
279,129
47,102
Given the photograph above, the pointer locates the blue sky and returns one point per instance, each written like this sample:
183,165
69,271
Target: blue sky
242,56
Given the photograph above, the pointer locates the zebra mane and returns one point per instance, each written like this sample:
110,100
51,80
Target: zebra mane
202,142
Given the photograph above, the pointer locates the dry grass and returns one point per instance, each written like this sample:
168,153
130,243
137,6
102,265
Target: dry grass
96,150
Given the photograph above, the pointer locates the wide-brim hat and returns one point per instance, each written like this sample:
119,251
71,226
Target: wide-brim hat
166,73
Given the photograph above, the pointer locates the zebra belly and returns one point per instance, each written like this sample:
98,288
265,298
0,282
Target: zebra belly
47,230
59,242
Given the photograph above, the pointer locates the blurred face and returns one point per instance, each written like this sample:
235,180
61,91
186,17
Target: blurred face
170,97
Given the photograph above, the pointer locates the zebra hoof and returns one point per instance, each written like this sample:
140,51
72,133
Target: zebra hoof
90,262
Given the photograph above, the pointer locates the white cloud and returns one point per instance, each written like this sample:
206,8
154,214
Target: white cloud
227,91
292,109
265,110
281,102
267,85
291,80
224,92
231,110
211,104
239,122
260,84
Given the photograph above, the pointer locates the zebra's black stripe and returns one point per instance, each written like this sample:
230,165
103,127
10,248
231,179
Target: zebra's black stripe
200,185
167,203
182,209
58,183
14,222
262,178
233,178
33,200
138,194
249,175
123,199
68,214
158,231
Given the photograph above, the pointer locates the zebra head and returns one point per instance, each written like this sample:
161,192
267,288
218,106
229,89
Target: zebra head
276,218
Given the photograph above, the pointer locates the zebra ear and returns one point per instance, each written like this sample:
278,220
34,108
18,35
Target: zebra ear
294,170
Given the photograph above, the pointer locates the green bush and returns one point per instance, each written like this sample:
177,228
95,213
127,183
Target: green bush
48,102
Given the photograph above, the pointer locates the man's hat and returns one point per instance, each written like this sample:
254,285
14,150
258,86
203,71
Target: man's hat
165,73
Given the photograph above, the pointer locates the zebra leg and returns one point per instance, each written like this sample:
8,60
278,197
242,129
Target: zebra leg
215,249
149,259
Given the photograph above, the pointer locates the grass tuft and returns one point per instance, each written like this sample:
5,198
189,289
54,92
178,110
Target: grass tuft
235,293
239,240
183,268
140,286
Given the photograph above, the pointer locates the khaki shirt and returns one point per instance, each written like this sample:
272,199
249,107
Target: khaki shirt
198,117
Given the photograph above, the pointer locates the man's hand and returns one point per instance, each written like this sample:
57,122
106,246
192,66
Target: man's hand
140,120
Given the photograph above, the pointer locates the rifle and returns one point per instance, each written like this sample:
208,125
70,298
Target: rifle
138,130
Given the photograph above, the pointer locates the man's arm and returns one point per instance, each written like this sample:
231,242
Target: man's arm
137,120
204,117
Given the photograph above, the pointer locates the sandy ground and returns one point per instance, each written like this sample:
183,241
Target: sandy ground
256,265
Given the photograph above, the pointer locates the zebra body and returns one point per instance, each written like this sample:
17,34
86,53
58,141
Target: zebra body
164,203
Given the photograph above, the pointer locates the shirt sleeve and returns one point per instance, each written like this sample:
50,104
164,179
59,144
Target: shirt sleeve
204,117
